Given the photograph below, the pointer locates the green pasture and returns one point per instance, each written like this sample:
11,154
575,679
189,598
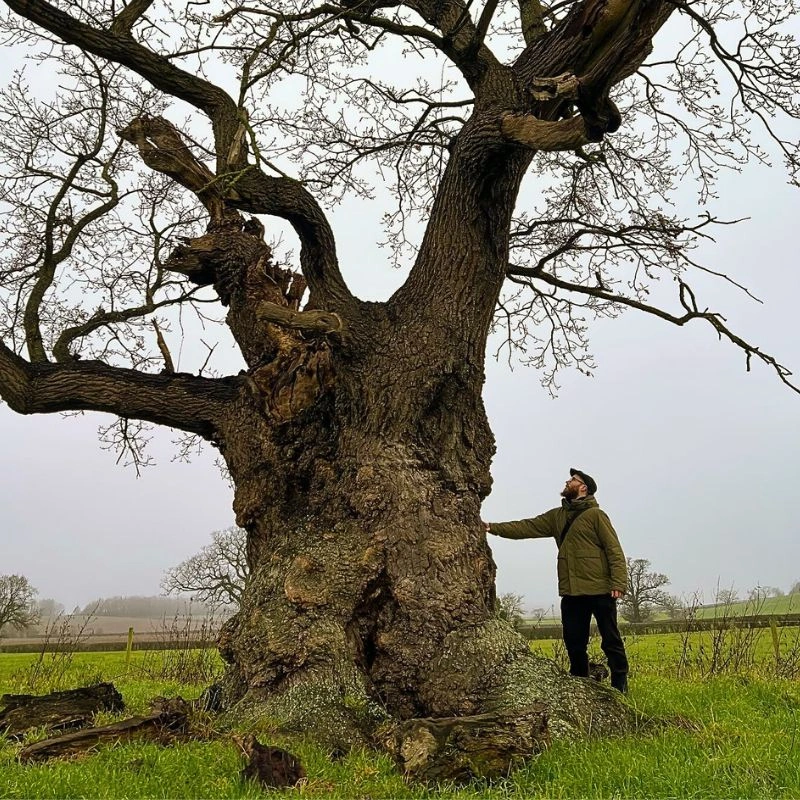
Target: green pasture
733,734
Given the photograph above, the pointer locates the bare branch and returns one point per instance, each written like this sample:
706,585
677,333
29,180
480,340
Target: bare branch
162,346
531,17
162,148
158,70
686,296
485,20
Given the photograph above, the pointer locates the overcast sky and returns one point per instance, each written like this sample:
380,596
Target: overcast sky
696,460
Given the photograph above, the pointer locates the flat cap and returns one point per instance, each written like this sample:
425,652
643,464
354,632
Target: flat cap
591,484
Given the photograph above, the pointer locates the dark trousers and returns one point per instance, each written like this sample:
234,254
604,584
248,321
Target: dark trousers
576,615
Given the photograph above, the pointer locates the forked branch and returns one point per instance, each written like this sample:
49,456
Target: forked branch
129,16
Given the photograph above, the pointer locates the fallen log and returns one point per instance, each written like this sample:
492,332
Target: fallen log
57,711
463,748
168,720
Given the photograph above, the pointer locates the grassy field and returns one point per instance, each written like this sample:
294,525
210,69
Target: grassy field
736,735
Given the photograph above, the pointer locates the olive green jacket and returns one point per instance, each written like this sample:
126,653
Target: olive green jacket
590,559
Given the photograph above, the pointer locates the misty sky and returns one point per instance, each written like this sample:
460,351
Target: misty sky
697,461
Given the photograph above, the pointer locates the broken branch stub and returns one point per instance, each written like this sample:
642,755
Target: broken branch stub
310,323
271,767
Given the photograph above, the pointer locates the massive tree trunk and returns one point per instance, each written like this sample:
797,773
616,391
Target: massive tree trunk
372,584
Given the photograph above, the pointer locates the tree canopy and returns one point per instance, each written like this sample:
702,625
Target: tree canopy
282,109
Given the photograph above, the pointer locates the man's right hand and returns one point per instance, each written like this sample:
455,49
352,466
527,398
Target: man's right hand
486,526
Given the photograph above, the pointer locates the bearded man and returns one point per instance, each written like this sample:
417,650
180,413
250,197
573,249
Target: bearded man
592,572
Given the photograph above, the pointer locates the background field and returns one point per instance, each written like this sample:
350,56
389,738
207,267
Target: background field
732,705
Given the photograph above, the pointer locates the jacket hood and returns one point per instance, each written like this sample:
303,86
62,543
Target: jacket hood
580,504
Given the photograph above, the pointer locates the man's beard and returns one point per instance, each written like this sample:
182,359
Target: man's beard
569,493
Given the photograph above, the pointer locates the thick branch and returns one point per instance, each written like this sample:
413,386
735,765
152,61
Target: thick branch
687,301
462,40
129,16
182,401
531,17
259,193
312,323
485,20
280,197
537,134
601,42
162,148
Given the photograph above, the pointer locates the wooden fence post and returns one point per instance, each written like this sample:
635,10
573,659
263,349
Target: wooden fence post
129,648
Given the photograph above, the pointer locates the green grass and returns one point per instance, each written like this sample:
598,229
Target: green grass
734,736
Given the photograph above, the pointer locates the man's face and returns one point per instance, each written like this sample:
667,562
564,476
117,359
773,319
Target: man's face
572,488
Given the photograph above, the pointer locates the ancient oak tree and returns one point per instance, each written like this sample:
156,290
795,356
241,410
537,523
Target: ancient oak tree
143,161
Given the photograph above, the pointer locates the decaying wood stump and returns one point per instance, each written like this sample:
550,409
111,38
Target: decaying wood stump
272,767
463,748
57,711
169,719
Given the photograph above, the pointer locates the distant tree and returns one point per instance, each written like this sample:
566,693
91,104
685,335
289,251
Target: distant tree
511,607
644,593
674,606
17,602
795,588
217,574
727,597
48,607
